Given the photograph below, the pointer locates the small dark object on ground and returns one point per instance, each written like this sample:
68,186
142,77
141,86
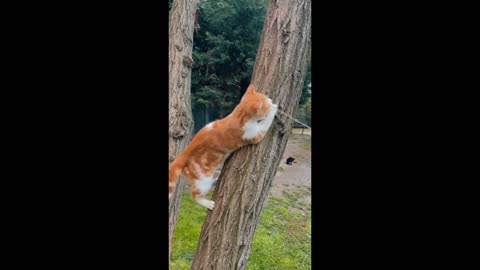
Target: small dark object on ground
291,160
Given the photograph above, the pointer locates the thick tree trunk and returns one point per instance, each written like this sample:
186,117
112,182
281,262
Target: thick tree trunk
180,43
246,178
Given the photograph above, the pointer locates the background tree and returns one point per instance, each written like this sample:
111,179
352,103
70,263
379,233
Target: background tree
304,111
180,43
226,42
244,183
224,53
307,85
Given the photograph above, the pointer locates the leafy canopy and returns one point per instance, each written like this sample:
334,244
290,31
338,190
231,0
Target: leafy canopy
224,52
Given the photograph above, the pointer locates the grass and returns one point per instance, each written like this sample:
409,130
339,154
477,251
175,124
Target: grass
187,232
307,145
298,131
281,241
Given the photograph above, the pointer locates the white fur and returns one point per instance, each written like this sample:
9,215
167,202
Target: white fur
204,202
210,125
253,128
204,184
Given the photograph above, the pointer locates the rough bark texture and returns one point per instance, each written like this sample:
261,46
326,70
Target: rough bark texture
180,43
246,178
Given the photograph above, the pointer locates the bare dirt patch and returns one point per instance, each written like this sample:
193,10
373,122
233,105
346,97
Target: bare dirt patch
296,179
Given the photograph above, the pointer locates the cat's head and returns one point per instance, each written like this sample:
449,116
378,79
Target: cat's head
254,103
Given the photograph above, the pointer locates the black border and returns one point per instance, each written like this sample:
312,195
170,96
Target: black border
93,93
385,81
85,84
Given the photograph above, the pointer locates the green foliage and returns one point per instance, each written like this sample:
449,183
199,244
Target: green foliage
224,52
306,90
304,112
282,239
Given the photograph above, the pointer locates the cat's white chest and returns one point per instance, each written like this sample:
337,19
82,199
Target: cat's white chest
254,126
251,129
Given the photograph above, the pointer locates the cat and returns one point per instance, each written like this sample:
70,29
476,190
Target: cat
247,124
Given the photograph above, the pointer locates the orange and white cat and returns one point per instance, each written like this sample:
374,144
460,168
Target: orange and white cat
247,124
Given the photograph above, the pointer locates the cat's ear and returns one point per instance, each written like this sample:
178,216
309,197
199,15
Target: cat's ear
250,90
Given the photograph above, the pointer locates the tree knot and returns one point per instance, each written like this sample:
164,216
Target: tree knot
280,125
188,61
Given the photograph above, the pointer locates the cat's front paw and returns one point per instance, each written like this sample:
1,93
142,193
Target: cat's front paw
210,205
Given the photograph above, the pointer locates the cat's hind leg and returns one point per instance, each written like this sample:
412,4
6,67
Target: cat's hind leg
200,188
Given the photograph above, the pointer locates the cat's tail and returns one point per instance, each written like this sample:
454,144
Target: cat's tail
174,172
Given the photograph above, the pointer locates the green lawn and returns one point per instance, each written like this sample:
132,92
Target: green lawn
282,239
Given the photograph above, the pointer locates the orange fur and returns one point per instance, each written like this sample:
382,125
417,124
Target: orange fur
247,124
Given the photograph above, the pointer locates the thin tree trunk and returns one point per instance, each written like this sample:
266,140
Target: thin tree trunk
180,43
246,179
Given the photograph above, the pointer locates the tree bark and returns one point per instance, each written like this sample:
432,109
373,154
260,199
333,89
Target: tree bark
180,44
246,178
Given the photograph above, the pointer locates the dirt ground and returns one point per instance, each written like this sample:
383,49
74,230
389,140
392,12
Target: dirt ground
296,178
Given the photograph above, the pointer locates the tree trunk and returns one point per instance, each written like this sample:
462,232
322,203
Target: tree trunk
180,43
246,178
